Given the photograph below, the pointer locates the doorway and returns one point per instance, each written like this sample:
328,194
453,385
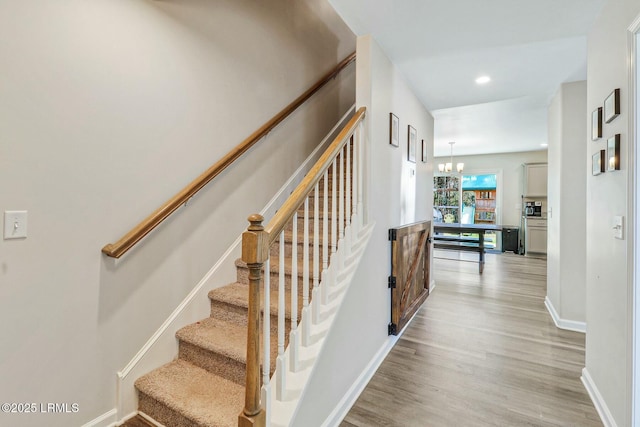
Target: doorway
480,202
474,197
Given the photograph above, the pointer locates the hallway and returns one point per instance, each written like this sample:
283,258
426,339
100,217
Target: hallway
482,351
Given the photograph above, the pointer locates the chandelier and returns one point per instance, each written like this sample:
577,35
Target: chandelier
448,167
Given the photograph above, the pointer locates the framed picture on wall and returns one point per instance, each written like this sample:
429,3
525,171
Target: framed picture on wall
394,130
613,153
412,142
424,152
596,124
612,106
597,163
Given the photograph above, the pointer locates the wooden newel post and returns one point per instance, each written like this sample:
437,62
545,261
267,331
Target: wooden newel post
255,247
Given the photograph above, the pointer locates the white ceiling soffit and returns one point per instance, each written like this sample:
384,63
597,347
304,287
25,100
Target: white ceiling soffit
528,48
491,127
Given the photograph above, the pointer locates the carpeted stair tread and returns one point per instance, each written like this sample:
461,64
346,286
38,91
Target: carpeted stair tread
219,336
217,345
274,266
288,236
181,394
312,216
238,294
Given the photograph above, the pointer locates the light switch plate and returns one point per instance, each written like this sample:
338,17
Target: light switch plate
15,224
618,227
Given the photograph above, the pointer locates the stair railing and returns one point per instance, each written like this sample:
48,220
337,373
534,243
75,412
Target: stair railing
338,171
126,242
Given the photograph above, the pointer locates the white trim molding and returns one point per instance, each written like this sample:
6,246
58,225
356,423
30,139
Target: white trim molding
633,228
569,325
596,398
108,419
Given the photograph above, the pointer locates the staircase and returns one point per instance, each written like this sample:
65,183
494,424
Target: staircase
205,385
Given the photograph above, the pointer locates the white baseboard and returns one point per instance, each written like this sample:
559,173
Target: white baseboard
108,419
569,325
347,401
432,286
598,401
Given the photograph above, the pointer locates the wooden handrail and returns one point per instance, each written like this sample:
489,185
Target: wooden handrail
256,242
126,242
291,205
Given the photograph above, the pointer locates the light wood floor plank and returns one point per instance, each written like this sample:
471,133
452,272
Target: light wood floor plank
482,351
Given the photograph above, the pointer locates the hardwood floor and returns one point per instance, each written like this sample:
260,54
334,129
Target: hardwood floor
482,351
137,421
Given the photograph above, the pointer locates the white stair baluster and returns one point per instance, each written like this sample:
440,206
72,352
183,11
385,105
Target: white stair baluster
306,318
341,216
334,208
347,202
325,245
281,366
329,277
354,188
293,335
266,339
361,213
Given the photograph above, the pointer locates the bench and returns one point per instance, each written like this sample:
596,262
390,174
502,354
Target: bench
461,243
458,242
457,239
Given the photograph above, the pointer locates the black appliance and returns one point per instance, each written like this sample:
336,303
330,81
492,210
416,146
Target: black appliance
510,238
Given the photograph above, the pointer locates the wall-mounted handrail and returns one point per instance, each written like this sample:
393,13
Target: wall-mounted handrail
126,242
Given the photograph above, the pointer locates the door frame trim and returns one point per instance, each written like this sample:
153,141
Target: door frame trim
633,225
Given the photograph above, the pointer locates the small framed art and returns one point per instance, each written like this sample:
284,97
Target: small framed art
412,142
613,153
394,130
612,106
424,152
596,124
597,163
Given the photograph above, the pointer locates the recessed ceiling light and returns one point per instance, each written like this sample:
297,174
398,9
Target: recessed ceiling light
483,80
544,144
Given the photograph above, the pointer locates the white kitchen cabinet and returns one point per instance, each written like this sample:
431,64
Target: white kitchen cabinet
535,180
535,236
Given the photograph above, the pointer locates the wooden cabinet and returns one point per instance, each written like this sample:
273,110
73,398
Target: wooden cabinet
485,212
535,180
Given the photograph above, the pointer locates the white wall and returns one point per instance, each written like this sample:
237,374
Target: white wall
109,108
608,355
511,166
391,193
566,222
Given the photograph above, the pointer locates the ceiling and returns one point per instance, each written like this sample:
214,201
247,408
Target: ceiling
528,48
